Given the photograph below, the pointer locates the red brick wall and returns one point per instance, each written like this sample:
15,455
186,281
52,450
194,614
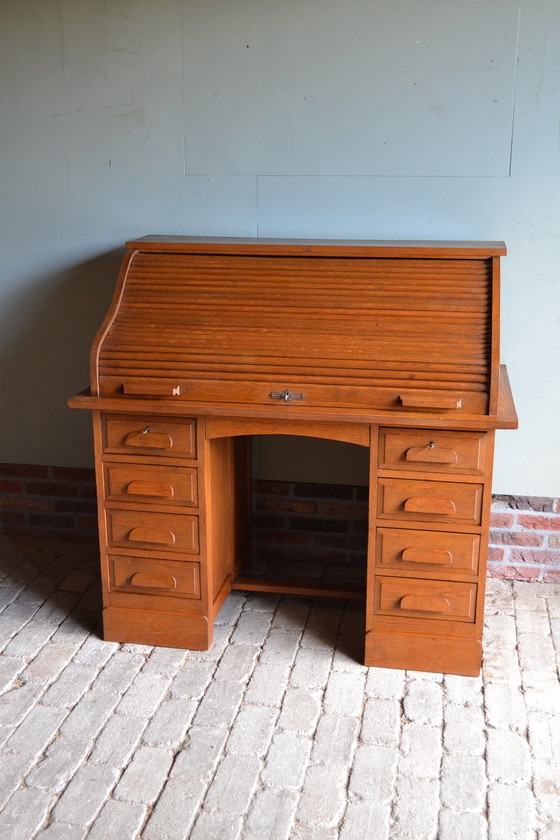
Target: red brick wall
319,531
312,531
48,502
525,538
315,531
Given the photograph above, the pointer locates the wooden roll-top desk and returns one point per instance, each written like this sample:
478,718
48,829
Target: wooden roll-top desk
393,346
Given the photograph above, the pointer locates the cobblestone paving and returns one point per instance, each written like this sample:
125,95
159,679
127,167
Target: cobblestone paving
277,732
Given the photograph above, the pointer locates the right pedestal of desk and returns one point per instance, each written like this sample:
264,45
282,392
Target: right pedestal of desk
430,494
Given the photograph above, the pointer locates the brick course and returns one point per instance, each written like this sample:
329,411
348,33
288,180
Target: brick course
48,502
524,539
324,542
316,529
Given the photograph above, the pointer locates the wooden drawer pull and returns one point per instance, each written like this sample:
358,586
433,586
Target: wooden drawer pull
445,507
434,401
151,389
431,455
160,536
148,439
425,603
153,581
150,488
427,556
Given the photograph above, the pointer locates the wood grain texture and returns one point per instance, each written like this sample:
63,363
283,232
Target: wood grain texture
322,247
391,345
429,500
423,653
149,436
445,600
426,449
221,520
372,330
229,427
506,413
407,551
146,575
309,590
144,627
505,419
173,531
149,483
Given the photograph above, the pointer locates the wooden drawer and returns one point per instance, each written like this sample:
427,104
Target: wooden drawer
155,577
433,599
432,450
149,436
144,529
147,483
429,501
430,551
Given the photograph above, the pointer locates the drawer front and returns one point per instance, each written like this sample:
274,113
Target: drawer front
155,577
433,599
149,436
426,551
429,501
147,483
432,450
143,529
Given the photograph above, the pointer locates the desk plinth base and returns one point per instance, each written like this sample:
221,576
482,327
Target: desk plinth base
142,627
413,652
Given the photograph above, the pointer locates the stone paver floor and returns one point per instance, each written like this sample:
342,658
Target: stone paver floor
277,732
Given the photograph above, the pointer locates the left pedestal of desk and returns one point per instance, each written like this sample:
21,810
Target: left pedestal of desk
163,581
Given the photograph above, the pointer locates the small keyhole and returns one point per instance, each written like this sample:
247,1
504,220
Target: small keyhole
431,444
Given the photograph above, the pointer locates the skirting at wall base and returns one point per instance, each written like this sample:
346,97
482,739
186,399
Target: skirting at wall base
315,531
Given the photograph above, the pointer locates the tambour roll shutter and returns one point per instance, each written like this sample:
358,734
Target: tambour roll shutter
366,331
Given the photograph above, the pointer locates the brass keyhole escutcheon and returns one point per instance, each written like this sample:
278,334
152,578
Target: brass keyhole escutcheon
285,396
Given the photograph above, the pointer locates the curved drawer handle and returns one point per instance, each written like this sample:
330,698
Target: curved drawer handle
446,507
150,488
431,454
427,556
425,603
151,440
153,581
161,536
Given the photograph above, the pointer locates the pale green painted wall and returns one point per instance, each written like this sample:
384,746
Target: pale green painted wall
276,118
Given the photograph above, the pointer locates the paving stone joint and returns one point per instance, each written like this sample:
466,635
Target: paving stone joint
278,732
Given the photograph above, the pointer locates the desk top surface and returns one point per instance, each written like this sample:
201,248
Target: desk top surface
318,247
